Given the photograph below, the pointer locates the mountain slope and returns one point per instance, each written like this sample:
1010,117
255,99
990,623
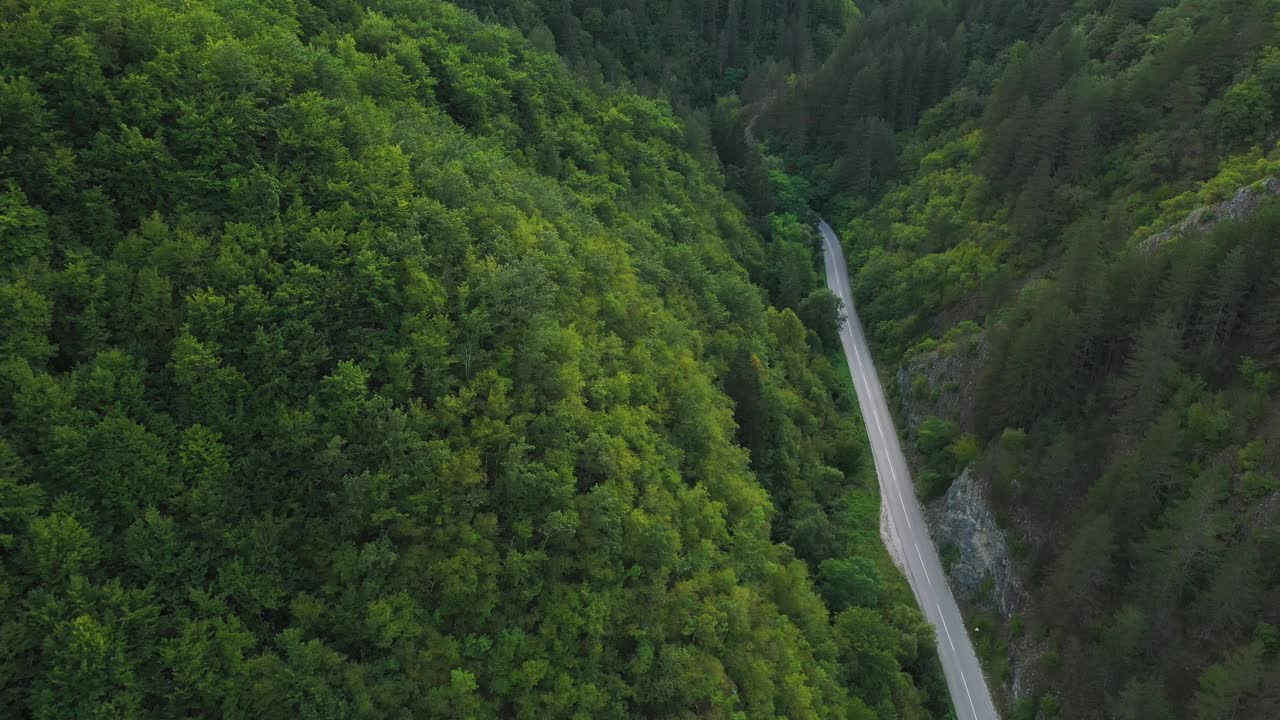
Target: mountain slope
690,50
1125,406
356,361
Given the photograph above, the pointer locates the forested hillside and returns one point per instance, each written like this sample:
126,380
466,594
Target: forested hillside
689,50
1084,193
405,358
357,360
898,61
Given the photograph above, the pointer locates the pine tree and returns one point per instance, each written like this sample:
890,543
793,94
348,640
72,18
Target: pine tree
1034,211
957,55
1263,325
1220,308
1151,363
1184,544
1223,686
1081,573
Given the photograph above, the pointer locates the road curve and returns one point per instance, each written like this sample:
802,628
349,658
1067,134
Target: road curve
906,523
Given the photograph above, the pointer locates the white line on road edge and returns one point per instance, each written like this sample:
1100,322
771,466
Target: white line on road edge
966,692
854,345
926,567
945,630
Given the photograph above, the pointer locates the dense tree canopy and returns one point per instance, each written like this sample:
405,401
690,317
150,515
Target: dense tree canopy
357,360
400,358
1124,410
693,50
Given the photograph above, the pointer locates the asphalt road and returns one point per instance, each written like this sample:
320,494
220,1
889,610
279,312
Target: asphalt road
906,525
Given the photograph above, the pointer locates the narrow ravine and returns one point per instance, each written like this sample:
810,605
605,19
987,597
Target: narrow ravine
907,530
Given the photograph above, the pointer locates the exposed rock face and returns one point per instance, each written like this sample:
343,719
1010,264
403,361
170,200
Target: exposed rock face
963,519
1026,675
942,383
1243,205
951,379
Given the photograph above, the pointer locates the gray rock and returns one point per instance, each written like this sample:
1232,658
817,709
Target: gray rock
951,380
962,518
1245,203
984,574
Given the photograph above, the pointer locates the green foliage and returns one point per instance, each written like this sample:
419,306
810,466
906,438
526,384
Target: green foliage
1224,685
793,194
852,581
23,229
359,360
1024,709
934,435
1090,188
946,452
688,49
823,312
1049,706
991,643
792,272
963,450
1243,115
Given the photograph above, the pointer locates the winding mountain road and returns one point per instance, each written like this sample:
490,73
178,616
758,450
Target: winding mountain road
905,520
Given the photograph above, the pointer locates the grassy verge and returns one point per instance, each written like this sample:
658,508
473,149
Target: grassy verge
861,522
862,503
991,642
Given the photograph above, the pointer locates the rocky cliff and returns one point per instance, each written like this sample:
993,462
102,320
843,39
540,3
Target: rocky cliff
982,567
1242,205
939,383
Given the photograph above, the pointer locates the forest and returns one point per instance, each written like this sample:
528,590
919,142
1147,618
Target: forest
359,360
689,51
412,358
1075,202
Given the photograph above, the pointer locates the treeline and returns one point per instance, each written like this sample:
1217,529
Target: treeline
357,361
1151,453
690,50
1052,120
1126,382
889,67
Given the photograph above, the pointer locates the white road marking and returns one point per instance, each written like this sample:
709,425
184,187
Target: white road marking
926,567
945,630
966,692
871,401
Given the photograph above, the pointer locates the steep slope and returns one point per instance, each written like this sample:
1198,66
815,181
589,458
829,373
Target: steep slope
912,545
690,50
356,361
1123,419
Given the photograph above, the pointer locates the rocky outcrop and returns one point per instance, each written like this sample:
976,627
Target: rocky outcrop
1245,203
1026,670
982,569
940,383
